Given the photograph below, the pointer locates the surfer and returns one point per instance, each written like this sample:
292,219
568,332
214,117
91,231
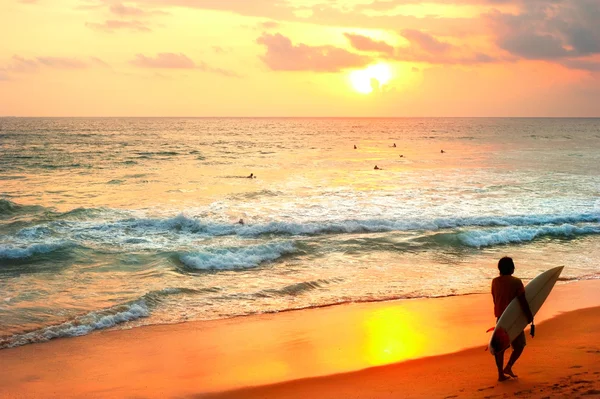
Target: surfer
251,176
377,167
505,288
241,222
355,146
394,145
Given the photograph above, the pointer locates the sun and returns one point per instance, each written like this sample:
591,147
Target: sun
366,80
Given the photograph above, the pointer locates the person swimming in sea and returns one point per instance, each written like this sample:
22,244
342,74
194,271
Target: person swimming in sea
251,176
394,145
401,156
241,222
355,146
377,167
442,151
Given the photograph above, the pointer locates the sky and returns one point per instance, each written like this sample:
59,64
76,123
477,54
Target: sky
395,58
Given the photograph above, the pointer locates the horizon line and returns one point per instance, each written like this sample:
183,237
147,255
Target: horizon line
309,117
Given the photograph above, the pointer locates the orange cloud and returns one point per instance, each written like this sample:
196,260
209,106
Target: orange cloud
62,63
269,25
24,65
20,64
177,61
164,60
423,48
282,55
111,26
127,11
364,43
425,41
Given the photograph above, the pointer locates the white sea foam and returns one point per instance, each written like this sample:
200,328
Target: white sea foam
237,258
12,251
485,238
182,225
82,325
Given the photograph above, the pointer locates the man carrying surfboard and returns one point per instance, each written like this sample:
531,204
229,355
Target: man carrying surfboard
505,288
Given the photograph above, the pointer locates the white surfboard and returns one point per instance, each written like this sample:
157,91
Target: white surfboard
513,320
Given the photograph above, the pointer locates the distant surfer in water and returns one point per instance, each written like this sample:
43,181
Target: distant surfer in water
394,145
241,222
355,146
251,176
442,152
505,288
377,167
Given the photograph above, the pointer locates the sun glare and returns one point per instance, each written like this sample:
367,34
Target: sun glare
366,80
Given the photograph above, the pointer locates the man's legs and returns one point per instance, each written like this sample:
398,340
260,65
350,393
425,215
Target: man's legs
499,364
518,345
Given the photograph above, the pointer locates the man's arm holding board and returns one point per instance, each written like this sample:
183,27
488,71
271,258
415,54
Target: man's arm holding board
525,305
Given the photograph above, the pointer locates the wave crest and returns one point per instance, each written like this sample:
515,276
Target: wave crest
517,235
81,325
11,252
237,257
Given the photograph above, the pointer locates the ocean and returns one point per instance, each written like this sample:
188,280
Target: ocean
122,222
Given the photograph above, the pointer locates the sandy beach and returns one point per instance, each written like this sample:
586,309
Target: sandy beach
406,348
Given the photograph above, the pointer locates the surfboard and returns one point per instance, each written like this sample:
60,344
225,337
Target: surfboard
513,320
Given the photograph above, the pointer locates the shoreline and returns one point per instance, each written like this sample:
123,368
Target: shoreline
201,357
124,327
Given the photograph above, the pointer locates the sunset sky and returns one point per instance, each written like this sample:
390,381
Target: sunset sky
300,58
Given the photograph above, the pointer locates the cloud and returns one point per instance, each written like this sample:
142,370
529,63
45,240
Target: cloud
164,60
177,61
269,25
425,41
20,64
584,65
225,72
549,30
364,43
282,55
423,47
127,11
219,50
62,63
111,26
99,62
23,65
332,13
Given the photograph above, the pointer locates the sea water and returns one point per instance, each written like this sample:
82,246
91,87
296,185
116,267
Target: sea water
122,222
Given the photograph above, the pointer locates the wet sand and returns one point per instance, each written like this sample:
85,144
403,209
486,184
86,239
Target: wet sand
365,350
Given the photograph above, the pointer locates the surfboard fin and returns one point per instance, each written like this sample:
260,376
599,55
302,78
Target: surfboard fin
490,329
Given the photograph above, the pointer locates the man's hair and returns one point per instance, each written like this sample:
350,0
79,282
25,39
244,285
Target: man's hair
506,266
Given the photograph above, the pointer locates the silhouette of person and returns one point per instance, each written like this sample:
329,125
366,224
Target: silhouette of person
442,151
505,288
355,146
401,156
241,221
251,176
377,168
394,145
